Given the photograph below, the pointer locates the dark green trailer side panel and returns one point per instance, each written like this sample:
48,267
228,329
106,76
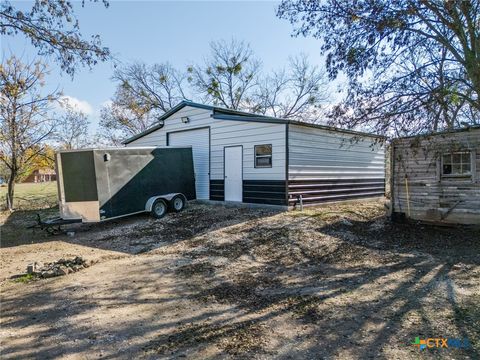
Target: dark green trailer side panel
78,172
127,178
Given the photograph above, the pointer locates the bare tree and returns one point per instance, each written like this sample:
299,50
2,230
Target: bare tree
374,42
295,93
122,118
25,123
420,94
71,131
143,94
158,87
52,28
227,76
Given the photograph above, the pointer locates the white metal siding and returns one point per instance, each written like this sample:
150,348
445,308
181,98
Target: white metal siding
325,165
317,153
198,118
228,133
199,140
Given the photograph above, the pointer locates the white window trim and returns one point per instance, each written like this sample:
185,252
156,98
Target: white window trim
255,157
470,175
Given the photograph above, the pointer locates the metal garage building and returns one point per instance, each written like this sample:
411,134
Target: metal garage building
251,158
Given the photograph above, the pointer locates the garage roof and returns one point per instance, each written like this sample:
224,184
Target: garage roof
229,114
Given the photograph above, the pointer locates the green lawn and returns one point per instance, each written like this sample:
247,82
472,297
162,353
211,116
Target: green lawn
30,199
29,196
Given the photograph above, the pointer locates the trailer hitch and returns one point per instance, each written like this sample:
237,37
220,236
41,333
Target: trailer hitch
52,226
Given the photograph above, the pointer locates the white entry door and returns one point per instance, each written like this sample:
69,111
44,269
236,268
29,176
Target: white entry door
233,173
199,140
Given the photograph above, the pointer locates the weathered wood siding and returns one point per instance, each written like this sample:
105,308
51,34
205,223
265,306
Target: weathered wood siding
431,197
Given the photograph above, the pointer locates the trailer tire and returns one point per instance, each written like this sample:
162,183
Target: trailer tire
159,208
177,203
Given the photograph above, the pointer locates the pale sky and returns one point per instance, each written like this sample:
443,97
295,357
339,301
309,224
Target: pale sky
159,31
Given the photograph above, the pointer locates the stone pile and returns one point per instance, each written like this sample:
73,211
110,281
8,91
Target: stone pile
57,268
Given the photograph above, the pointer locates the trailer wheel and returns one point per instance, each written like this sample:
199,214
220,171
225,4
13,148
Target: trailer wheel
177,203
159,208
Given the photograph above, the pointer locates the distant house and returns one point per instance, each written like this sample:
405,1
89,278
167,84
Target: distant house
249,158
41,175
437,177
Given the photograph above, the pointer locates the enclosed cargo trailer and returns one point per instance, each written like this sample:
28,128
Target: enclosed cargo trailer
101,184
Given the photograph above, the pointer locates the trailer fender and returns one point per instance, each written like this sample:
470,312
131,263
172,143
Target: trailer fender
166,197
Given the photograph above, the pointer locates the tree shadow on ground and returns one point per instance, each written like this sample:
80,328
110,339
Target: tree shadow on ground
133,234
290,287
366,307
14,228
447,243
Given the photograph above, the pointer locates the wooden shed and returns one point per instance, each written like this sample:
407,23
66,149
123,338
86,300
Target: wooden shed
436,177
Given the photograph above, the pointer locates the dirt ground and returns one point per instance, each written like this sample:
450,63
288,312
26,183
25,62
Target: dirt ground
339,282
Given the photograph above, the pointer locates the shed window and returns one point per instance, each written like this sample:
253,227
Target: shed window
263,156
457,164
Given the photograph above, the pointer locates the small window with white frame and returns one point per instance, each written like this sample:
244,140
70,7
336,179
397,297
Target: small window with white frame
457,164
263,156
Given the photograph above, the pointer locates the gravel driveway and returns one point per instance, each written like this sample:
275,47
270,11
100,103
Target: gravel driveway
338,282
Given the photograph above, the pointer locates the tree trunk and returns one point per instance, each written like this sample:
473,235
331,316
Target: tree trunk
10,191
473,71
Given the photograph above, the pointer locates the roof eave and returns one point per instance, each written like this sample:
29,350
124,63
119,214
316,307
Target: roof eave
272,120
169,113
229,114
143,133
439,133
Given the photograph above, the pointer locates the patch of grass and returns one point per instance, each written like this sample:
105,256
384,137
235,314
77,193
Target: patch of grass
26,278
356,210
30,196
14,226
30,199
